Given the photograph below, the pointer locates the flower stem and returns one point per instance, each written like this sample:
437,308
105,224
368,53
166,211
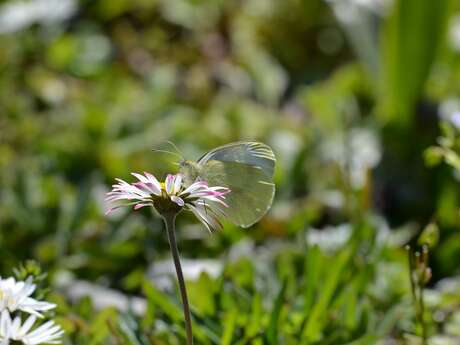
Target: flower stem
170,220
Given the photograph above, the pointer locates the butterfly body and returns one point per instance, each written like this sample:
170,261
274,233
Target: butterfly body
246,168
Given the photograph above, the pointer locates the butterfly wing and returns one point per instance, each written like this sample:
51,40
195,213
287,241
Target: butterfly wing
247,169
245,152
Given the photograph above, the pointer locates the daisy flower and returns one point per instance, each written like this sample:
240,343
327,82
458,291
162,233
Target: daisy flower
15,295
13,330
171,197
168,199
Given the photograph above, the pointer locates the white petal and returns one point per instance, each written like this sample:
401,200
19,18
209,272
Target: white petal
5,324
206,216
177,184
169,183
28,324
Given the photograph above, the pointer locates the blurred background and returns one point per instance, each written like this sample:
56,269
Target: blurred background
359,99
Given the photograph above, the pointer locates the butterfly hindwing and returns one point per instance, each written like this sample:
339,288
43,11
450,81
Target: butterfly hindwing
251,193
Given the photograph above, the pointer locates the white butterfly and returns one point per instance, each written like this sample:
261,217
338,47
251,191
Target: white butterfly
246,168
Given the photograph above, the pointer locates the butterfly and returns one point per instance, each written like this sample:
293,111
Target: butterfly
246,168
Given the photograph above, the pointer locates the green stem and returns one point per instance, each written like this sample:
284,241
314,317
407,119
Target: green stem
417,288
170,220
422,316
411,277
412,283
422,307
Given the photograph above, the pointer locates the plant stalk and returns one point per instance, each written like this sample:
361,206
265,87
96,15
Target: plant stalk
417,288
170,221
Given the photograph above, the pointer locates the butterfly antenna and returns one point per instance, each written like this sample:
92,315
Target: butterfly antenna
176,148
170,152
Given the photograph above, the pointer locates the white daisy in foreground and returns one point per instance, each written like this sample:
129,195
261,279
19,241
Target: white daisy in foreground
13,331
15,295
171,196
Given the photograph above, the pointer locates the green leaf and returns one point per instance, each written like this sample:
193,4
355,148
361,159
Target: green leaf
452,159
365,340
429,235
155,297
316,320
272,331
128,329
433,155
412,36
99,326
313,267
173,311
254,325
201,294
229,327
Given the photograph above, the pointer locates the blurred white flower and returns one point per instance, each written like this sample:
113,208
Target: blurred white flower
454,32
358,153
449,110
332,198
455,119
15,295
351,11
288,145
442,339
377,6
17,15
361,21
15,330
160,271
329,238
365,154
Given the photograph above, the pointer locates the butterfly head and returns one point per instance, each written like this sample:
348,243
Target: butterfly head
190,170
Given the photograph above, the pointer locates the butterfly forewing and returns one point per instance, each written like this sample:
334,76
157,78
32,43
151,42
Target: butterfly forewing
246,152
247,169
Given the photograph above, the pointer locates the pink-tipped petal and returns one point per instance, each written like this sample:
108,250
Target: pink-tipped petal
178,200
138,193
138,206
156,186
110,210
